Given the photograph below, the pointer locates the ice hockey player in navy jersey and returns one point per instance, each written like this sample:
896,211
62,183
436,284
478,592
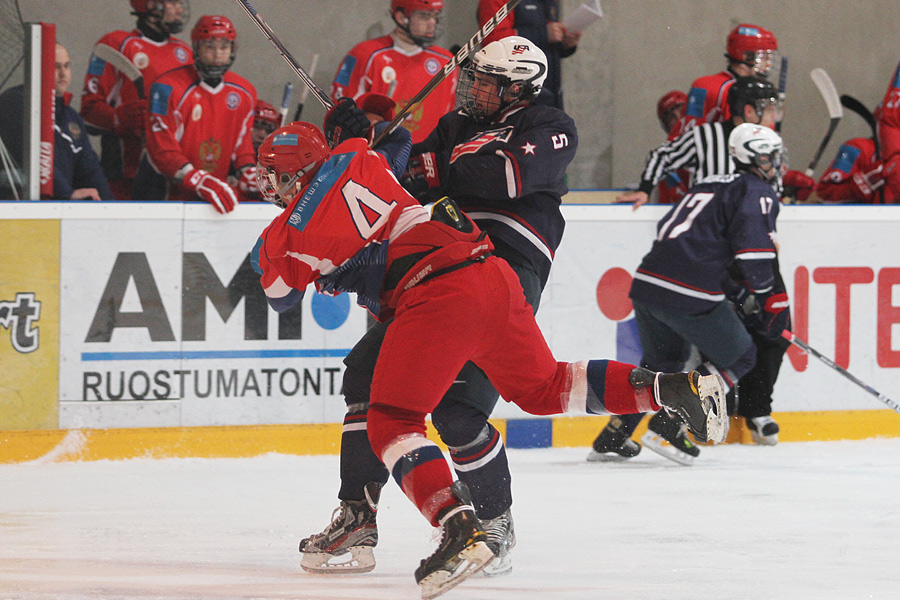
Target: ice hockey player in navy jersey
681,287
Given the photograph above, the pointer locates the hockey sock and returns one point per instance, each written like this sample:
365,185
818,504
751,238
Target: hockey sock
483,467
417,464
601,387
359,464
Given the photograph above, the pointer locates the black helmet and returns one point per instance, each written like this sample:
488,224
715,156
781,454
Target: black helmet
751,90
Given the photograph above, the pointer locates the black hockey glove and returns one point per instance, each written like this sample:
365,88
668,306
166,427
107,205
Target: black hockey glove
344,121
771,316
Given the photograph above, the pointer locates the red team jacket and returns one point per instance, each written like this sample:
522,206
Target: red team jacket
105,87
191,122
707,102
381,67
348,230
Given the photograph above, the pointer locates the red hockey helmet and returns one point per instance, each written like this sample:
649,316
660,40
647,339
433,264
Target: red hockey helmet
213,27
408,6
670,107
289,159
266,112
753,46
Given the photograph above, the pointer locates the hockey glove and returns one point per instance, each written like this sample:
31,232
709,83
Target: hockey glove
891,173
246,182
421,172
866,184
344,121
130,118
798,185
772,315
212,189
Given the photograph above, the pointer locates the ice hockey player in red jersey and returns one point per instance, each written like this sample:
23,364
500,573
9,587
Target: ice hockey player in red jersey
750,50
669,110
855,176
400,64
265,121
112,105
888,117
200,121
349,226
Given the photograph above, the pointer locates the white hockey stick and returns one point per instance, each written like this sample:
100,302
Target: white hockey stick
286,101
123,64
320,95
441,75
305,91
835,111
789,336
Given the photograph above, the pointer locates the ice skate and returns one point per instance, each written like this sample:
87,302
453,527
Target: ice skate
346,544
501,539
613,444
764,430
463,550
698,400
664,428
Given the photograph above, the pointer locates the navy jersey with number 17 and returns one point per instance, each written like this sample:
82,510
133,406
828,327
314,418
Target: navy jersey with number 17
724,219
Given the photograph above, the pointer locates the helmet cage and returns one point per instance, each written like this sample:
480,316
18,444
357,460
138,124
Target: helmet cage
288,160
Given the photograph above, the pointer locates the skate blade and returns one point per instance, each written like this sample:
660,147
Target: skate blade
654,442
711,389
358,559
606,457
501,565
473,559
764,440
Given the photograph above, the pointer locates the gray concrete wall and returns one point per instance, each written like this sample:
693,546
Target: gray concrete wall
640,50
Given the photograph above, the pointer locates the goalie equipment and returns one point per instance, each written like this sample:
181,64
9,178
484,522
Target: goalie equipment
753,46
288,160
663,428
213,27
463,549
499,75
757,148
352,531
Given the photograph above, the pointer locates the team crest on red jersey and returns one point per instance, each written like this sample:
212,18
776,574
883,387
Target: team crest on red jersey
232,101
210,151
181,54
481,140
432,66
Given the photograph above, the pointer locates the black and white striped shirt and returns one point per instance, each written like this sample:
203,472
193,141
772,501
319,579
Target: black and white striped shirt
703,151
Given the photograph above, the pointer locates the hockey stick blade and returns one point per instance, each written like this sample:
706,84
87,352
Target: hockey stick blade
789,336
835,112
441,75
854,105
123,64
270,35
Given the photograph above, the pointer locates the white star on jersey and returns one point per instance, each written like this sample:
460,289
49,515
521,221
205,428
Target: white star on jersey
529,148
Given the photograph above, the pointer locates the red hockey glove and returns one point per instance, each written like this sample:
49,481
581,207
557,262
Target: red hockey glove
212,189
344,121
247,182
130,118
772,316
422,171
866,184
798,185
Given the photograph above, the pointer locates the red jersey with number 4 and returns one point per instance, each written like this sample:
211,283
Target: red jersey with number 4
382,67
191,122
105,87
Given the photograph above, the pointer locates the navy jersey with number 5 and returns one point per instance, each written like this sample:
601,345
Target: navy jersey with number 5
725,218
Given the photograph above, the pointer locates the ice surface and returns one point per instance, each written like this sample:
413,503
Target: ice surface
798,521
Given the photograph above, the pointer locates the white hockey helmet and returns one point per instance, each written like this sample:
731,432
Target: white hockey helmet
757,147
517,65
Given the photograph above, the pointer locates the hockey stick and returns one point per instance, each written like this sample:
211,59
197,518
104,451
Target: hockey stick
782,89
789,336
441,75
305,91
286,101
320,95
833,103
123,64
854,105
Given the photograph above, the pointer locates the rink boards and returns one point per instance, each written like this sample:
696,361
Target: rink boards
139,329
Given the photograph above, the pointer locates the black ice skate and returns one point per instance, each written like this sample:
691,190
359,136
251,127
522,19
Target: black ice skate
680,448
763,429
613,444
698,400
501,539
463,550
346,544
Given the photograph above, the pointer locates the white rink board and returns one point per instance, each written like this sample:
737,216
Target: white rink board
136,324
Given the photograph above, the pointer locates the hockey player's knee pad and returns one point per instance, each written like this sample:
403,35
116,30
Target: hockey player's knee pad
356,386
458,424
